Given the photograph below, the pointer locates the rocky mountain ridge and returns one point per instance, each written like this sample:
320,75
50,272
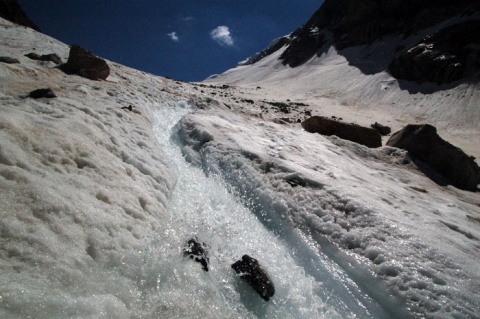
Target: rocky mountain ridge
435,41
12,11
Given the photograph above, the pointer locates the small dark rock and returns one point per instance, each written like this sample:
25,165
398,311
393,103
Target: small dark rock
355,133
382,129
423,142
130,108
197,251
8,60
250,270
42,93
51,57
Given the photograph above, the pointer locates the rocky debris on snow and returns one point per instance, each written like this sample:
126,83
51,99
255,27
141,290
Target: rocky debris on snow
423,142
84,63
197,251
8,60
250,270
42,93
446,56
382,129
51,57
355,133
12,11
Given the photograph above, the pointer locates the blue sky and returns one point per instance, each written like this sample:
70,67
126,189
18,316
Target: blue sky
182,39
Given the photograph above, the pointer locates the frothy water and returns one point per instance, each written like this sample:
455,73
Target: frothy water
308,284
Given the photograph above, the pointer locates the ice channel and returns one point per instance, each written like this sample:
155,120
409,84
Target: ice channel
308,284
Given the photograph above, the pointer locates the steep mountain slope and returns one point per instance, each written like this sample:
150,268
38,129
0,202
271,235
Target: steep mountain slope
406,62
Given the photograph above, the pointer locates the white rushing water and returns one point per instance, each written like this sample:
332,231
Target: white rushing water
308,284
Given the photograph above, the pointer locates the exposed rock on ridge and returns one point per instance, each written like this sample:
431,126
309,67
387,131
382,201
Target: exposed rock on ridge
11,10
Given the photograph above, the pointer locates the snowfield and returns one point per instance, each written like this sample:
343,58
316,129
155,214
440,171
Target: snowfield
97,201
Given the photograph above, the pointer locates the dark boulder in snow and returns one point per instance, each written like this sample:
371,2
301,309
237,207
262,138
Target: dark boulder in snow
423,142
250,270
382,129
8,60
86,64
197,251
355,133
42,93
446,56
52,57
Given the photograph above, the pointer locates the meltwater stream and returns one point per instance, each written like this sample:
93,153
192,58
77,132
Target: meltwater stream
203,207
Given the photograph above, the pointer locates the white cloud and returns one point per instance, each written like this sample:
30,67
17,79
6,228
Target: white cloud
173,36
222,35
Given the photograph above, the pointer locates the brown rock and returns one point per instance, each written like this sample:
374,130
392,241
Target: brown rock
451,162
87,65
355,133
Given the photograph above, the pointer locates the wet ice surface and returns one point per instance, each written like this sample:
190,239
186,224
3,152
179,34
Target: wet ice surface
381,215
95,207
307,283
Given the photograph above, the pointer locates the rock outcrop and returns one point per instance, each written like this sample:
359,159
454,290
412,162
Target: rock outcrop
423,142
446,56
86,64
355,133
250,270
12,11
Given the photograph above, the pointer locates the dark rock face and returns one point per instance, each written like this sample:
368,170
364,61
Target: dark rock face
250,270
304,46
87,65
359,134
52,57
423,142
42,93
12,11
8,60
382,129
197,251
444,57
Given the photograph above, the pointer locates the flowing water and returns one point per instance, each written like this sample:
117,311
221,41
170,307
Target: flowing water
307,283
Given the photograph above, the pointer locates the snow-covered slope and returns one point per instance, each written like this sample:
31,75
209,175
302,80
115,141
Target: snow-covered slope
86,202
332,86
